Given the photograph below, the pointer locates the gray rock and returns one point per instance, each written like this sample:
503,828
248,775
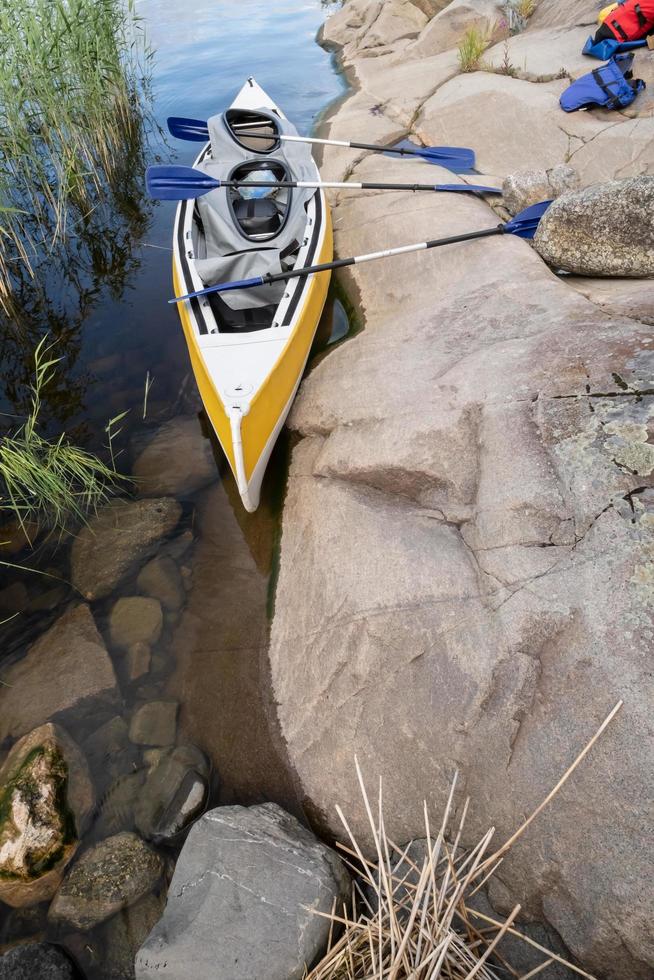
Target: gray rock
174,794
38,687
161,579
527,187
117,540
135,619
108,877
242,898
46,797
177,461
154,723
36,961
604,230
138,660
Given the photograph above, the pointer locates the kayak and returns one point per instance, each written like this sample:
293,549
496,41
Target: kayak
249,347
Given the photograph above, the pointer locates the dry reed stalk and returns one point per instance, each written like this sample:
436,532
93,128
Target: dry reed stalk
414,921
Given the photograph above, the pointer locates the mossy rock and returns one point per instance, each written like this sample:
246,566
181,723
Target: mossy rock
46,796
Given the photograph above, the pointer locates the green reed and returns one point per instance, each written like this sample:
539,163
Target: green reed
73,74
47,482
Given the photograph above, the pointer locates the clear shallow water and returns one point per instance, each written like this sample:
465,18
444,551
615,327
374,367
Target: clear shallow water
111,332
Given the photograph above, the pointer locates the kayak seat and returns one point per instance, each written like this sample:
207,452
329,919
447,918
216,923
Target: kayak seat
240,321
257,216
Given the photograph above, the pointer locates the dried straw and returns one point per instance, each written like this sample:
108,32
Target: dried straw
414,922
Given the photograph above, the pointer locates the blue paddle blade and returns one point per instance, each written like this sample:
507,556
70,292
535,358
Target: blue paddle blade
178,183
222,287
459,157
526,222
195,130
467,188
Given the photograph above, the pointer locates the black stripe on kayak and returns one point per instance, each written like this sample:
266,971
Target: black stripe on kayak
196,306
292,306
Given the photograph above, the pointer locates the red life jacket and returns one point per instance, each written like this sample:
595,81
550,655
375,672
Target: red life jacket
631,20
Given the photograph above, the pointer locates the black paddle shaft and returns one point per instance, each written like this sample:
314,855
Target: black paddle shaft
354,185
375,147
342,263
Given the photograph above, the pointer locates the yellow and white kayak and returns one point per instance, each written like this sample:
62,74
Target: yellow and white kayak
248,353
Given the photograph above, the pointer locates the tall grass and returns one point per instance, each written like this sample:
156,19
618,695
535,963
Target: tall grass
72,79
47,482
471,47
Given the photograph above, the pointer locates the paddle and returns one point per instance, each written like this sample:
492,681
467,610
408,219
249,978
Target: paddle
524,225
452,156
181,183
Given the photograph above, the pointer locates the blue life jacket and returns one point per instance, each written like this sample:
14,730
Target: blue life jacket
609,47
611,86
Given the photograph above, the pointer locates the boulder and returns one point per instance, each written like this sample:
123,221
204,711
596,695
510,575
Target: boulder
117,540
161,579
447,28
362,28
37,961
46,797
527,187
39,687
242,900
174,794
176,462
604,230
108,877
154,723
135,619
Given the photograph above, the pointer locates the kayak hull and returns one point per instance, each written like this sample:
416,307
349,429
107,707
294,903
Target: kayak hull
248,381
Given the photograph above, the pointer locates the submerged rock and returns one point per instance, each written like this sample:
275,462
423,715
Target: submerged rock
154,723
242,900
174,793
108,877
527,187
46,796
117,540
37,961
66,674
162,580
125,932
177,461
139,657
135,619
604,230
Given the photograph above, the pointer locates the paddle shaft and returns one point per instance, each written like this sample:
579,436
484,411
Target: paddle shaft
386,253
373,147
342,263
354,185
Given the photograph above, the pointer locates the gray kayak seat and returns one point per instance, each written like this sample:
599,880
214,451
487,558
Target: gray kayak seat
230,254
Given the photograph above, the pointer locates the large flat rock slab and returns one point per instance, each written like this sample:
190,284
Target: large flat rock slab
464,576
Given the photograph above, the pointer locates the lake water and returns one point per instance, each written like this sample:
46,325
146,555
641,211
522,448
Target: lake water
211,656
